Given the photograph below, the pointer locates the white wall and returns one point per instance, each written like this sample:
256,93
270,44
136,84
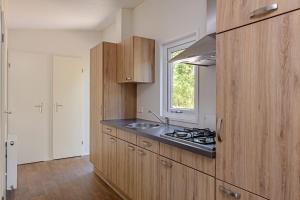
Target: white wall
65,43
165,21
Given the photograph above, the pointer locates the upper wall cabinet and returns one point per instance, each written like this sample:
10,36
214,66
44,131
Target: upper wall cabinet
235,13
136,60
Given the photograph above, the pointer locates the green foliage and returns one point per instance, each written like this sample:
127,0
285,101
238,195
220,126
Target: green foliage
183,86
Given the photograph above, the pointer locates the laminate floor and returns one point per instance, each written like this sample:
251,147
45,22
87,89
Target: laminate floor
67,179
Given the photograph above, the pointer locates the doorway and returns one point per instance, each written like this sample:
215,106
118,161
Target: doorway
45,98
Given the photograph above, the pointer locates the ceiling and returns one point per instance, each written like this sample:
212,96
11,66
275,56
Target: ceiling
64,14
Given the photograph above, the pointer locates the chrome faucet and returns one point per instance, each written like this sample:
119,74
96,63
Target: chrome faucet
167,119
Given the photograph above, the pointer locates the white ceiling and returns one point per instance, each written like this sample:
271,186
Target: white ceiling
64,14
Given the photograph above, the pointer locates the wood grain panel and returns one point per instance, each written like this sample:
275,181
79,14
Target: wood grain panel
235,13
258,98
188,158
126,172
244,195
144,60
110,158
127,136
148,144
147,173
109,130
96,95
179,182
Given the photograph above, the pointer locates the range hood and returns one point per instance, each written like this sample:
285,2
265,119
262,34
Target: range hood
203,52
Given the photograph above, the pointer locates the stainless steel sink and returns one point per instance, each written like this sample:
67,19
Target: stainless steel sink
142,125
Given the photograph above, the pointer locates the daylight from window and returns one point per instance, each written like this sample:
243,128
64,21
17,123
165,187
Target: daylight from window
182,85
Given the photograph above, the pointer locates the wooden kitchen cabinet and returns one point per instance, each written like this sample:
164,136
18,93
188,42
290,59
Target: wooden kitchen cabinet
126,172
235,13
136,60
147,174
179,182
225,191
258,107
108,99
109,157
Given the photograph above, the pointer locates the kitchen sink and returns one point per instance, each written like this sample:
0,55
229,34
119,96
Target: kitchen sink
142,125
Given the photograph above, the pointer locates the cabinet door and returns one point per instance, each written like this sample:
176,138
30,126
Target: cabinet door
228,192
95,100
235,13
110,158
258,100
179,182
126,172
125,71
147,175
144,60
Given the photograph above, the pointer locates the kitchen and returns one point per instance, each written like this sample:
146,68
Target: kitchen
199,101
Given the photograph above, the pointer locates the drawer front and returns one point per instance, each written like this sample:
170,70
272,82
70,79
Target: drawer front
109,130
149,144
196,161
235,13
225,191
127,136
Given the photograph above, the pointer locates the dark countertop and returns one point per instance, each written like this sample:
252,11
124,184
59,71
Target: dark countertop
155,134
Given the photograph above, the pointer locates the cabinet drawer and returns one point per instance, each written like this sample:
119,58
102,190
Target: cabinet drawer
109,130
225,191
127,136
235,13
196,161
149,144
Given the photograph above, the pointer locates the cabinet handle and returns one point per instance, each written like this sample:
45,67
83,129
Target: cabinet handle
166,163
229,193
8,112
128,78
131,148
264,10
141,152
146,144
108,130
219,126
113,140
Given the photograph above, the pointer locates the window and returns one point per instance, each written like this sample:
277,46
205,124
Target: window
180,92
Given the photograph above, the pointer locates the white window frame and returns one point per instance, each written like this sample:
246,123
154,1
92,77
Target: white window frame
188,116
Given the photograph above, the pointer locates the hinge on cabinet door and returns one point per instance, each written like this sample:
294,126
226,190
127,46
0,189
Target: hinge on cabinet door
82,142
82,70
9,65
2,37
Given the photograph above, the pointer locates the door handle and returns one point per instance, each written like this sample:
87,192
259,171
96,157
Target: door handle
41,106
219,126
57,106
264,10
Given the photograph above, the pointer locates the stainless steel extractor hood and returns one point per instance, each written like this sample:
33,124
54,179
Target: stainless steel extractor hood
203,52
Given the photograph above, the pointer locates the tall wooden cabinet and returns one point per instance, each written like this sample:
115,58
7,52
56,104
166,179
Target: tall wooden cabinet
235,13
136,60
258,107
108,99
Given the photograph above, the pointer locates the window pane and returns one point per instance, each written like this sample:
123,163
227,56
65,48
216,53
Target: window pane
182,86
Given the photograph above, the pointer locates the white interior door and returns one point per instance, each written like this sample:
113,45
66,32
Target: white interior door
67,114
28,100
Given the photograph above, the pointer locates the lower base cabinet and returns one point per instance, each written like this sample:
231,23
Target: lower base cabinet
109,158
178,182
147,175
225,191
126,172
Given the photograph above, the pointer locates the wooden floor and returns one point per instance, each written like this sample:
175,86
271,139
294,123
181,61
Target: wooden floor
68,179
